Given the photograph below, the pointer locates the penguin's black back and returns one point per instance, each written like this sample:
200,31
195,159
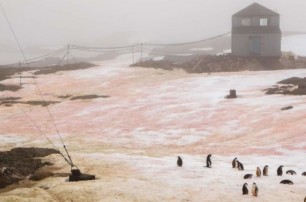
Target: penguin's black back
240,166
265,171
291,172
248,176
245,190
280,171
179,161
286,182
234,162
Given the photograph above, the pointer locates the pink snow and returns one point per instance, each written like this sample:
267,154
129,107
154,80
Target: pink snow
131,139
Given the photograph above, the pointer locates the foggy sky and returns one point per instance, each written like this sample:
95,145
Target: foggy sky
55,23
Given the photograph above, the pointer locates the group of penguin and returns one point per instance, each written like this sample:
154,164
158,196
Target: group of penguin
239,165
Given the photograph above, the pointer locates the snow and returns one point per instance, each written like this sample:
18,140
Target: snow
131,140
202,49
158,58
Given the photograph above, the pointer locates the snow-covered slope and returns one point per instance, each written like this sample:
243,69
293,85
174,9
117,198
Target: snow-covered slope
131,139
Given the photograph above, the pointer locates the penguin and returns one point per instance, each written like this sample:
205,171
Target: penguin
179,161
304,173
240,166
234,162
286,182
247,176
258,172
280,171
255,189
291,172
208,161
265,170
245,190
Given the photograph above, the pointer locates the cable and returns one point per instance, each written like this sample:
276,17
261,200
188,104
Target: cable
13,32
41,132
53,121
46,56
178,44
34,60
25,59
106,48
100,50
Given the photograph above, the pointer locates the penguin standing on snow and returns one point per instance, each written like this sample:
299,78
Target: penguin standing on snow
208,161
255,189
258,172
234,162
245,190
240,166
265,170
280,171
179,161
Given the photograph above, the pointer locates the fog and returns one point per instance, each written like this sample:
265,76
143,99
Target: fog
50,24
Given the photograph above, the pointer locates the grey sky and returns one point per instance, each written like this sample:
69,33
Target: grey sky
54,23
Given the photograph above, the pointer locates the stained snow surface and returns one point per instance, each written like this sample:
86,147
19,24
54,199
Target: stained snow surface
131,140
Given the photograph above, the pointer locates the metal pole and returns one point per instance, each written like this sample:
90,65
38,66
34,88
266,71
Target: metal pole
133,54
20,73
141,53
68,49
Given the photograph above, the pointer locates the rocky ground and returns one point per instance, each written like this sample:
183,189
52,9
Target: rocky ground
290,86
227,63
23,163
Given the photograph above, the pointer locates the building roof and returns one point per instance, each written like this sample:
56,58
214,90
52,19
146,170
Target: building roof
256,30
256,9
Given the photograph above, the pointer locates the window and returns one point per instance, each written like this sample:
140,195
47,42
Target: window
263,22
246,22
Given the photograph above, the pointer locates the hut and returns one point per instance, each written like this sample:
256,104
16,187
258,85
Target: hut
256,32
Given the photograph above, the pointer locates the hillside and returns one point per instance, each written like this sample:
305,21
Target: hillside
131,134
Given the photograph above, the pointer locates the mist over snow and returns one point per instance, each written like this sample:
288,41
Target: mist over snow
56,23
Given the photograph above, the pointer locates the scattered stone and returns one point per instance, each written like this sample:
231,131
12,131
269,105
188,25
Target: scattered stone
9,103
45,187
87,97
286,108
290,86
64,96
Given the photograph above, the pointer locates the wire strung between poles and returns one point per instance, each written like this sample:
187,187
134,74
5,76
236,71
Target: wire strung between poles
41,132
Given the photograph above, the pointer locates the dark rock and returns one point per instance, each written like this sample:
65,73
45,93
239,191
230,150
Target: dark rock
23,162
286,108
